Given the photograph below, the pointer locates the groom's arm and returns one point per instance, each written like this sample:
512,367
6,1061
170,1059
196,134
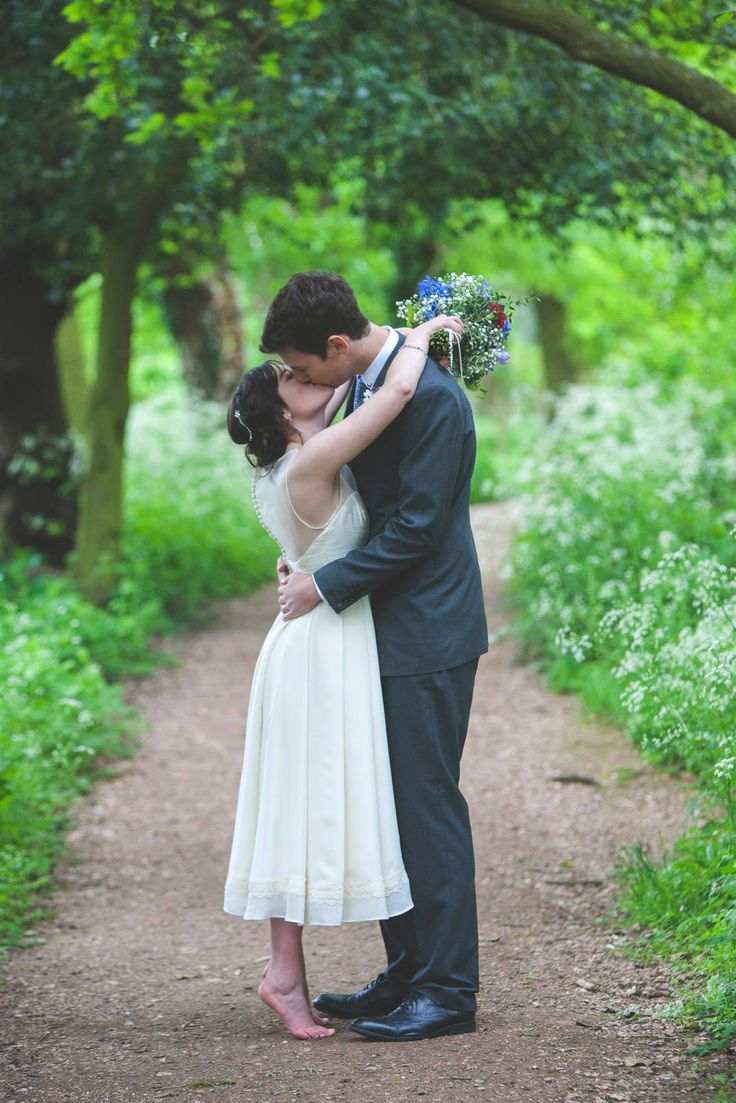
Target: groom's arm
432,437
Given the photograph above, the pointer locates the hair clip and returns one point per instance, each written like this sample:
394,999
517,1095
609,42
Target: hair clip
239,416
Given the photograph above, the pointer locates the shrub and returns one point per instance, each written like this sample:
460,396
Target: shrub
58,714
624,582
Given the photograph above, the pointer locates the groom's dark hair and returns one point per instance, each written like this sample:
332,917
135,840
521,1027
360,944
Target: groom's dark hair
309,309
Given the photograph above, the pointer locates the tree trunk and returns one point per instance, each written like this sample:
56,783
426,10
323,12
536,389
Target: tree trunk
101,506
205,321
559,367
37,492
72,372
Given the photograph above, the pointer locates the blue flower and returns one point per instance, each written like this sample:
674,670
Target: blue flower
437,292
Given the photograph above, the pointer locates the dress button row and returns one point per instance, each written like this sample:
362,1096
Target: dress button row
259,515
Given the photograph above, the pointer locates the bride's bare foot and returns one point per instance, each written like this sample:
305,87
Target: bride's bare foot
319,1018
292,1008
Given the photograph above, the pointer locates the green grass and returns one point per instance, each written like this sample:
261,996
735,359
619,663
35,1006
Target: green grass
686,903
60,719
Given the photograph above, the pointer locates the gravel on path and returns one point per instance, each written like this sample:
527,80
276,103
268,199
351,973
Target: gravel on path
145,990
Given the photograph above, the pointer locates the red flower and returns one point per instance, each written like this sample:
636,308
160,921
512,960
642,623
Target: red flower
499,312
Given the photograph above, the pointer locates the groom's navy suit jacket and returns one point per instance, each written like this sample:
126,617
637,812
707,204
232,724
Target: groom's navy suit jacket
419,564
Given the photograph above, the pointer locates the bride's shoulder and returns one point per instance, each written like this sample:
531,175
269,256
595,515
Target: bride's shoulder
278,466
271,479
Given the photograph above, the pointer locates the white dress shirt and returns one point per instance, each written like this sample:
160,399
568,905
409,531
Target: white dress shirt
376,366
369,376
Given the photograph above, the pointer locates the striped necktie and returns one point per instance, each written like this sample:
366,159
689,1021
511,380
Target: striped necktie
360,389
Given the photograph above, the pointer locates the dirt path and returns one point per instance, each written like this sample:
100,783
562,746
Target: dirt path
145,989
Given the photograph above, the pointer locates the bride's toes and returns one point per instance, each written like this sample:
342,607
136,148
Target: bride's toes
321,1020
312,1031
308,1033
324,1032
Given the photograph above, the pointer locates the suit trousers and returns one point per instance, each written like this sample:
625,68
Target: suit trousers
433,947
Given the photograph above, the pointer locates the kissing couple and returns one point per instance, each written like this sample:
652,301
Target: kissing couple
349,805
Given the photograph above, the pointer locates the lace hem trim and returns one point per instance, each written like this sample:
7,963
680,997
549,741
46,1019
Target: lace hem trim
320,892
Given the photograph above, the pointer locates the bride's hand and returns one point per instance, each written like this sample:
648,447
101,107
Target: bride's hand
442,321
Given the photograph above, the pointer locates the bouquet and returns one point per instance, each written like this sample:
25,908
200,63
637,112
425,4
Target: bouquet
485,312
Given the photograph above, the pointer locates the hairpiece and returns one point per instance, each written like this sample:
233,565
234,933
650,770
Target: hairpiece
239,416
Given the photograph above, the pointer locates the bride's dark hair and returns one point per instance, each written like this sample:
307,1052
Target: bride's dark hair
255,415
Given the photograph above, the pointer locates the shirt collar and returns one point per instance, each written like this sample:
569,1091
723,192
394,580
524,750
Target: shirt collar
372,372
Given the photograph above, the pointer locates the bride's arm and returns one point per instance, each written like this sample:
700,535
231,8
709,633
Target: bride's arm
336,401
443,361
327,451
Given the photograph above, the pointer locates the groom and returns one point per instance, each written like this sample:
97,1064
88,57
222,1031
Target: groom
421,570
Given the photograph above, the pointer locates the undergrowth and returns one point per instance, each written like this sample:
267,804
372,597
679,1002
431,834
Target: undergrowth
624,587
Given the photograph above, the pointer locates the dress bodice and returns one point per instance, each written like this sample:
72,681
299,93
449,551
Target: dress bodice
308,547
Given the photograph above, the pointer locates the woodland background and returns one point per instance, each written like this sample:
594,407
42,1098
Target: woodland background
168,164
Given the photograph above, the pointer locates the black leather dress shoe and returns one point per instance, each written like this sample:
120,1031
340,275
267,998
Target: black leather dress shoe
377,998
416,1018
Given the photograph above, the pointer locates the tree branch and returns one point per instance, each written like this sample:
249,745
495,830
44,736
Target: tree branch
582,41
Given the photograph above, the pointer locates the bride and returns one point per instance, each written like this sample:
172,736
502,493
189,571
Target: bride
315,839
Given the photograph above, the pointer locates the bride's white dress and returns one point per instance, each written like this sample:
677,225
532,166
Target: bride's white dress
315,838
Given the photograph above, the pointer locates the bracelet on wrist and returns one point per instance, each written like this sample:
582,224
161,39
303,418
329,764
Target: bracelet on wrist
406,345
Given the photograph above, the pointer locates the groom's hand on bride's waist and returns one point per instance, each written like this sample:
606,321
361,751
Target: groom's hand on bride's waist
297,595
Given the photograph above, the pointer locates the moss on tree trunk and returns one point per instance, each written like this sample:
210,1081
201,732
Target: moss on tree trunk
101,505
72,370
